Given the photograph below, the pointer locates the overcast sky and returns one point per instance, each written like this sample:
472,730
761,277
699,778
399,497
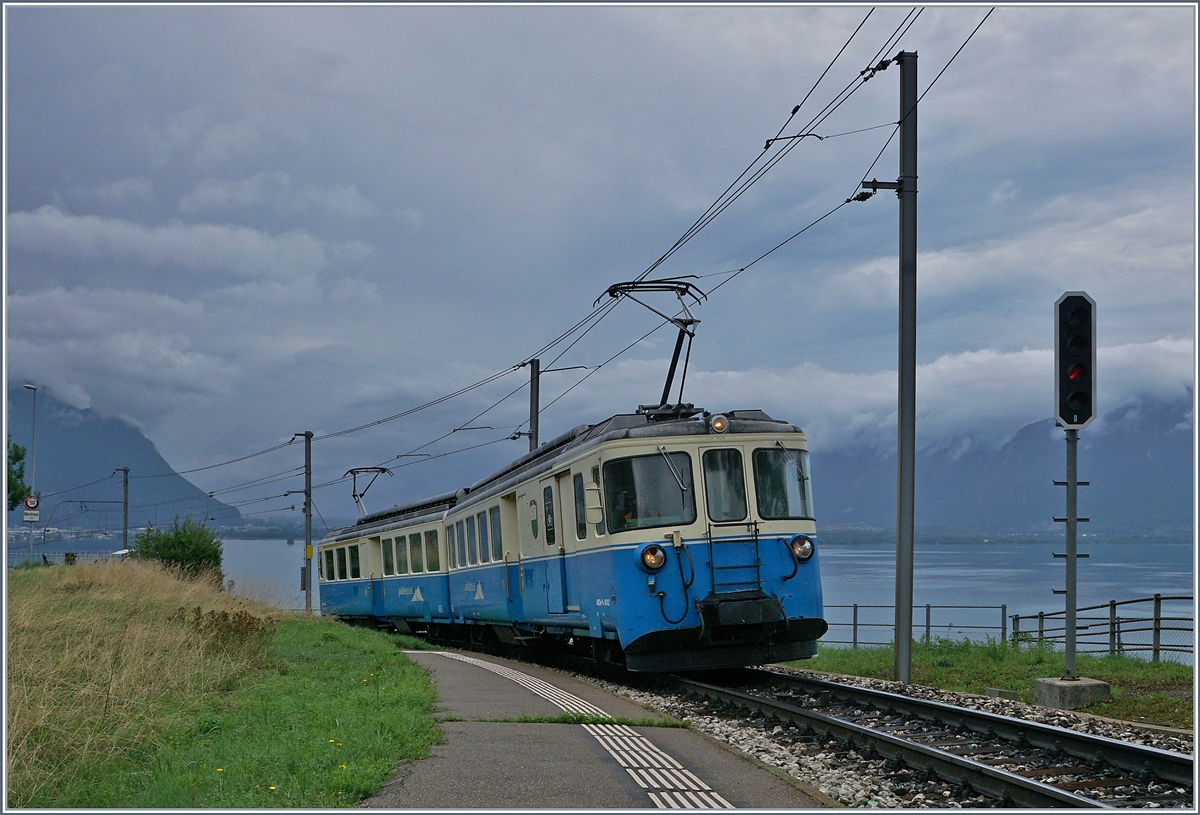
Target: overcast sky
232,224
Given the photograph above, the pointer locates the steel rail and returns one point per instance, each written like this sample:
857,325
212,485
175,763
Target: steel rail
1136,758
1009,788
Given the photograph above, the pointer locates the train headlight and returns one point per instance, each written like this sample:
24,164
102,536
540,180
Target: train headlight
718,423
802,547
653,557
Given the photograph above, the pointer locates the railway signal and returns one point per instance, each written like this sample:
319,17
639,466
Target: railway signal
1074,409
1074,360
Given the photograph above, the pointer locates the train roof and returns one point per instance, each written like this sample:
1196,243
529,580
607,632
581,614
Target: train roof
680,421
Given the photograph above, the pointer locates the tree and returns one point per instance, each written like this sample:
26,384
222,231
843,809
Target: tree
192,547
18,490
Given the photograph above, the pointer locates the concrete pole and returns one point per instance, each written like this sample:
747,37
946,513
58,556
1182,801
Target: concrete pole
907,384
124,506
308,550
32,462
535,398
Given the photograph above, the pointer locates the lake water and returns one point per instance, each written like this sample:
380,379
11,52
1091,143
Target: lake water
1021,576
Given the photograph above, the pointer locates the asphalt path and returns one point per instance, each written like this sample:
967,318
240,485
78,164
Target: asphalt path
488,761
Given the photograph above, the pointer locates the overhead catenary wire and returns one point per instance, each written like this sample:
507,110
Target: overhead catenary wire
596,315
897,35
46,495
741,188
725,199
720,205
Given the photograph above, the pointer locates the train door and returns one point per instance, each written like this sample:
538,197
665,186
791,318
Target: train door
532,567
374,569
555,546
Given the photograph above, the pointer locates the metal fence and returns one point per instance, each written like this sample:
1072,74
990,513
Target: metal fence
57,558
868,625
1162,624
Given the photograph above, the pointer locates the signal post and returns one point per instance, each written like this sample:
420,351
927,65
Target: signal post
1074,409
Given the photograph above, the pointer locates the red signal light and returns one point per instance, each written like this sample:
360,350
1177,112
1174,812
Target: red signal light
1078,373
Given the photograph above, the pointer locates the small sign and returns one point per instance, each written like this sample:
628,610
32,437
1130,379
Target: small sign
32,516
31,502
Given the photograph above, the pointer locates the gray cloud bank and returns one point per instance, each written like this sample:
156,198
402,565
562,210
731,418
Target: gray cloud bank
232,224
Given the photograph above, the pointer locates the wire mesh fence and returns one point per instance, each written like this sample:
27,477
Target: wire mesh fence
860,625
1159,626
58,558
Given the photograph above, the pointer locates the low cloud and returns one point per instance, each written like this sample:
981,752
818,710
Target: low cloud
964,400
274,190
196,247
126,353
1147,233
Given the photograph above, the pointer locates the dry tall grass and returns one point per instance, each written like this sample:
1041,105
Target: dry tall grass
103,656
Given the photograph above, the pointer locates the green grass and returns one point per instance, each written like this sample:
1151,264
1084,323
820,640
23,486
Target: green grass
324,728
319,716
1144,692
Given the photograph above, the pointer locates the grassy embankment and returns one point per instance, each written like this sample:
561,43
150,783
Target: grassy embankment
1143,692
128,687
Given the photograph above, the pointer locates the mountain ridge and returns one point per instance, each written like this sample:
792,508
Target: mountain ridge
76,446
1138,459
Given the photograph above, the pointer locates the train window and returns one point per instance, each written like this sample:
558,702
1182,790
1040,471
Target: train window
724,485
414,553
450,546
329,564
401,555
472,549
652,490
431,550
485,553
341,563
596,480
321,566
497,545
462,544
548,503
388,565
580,509
355,566
782,483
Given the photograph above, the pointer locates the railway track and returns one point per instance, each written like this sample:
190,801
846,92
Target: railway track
977,756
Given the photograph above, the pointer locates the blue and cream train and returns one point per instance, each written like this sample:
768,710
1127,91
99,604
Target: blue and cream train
664,543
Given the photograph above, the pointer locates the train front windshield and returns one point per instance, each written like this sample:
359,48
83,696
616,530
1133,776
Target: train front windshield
782,483
653,490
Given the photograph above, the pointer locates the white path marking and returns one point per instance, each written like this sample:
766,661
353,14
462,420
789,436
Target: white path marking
665,780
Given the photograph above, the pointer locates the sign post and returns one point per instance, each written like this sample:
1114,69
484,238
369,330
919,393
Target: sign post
32,514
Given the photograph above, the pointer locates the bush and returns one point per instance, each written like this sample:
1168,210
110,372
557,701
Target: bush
191,547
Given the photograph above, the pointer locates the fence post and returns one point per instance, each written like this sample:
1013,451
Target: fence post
1003,623
1157,625
1017,630
1041,627
1112,627
855,625
928,638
